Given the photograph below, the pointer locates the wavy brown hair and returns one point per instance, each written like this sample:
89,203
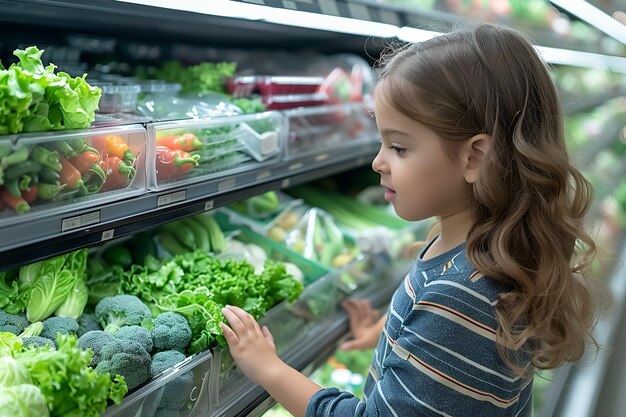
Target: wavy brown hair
529,201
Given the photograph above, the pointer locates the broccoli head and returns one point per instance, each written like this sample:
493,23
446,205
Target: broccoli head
126,358
176,392
10,323
21,317
138,334
35,342
95,340
55,325
86,323
121,310
171,331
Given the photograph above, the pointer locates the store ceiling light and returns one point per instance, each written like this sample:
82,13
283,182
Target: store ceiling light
409,34
582,59
594,16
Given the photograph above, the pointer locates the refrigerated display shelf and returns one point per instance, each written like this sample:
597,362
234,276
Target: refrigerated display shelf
44,237
583,384
576,104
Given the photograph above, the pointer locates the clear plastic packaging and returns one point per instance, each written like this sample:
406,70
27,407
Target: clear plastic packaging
57,172
116,98
166,107
213,146
327,128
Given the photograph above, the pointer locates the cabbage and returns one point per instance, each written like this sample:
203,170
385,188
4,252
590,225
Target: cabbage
23,400
12,372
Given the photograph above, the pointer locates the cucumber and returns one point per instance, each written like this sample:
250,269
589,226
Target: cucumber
200,234
171,244
216,236
182,233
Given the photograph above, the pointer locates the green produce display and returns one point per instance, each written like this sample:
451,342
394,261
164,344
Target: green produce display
199,232
42,381
202,78
33,98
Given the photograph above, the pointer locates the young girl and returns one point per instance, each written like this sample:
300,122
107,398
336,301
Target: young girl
472,133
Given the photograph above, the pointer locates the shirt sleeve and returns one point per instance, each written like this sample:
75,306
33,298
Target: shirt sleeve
443,362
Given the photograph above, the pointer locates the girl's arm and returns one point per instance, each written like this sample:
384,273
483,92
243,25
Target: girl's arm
253,349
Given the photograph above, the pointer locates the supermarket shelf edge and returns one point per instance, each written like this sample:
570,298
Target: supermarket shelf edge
29,241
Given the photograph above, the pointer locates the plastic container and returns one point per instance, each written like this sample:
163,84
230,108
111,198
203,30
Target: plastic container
280,92
145,401
158,87
215,146
117,98
72,170
319,129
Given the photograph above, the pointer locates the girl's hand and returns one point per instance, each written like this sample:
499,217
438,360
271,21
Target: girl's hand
251,346
366,325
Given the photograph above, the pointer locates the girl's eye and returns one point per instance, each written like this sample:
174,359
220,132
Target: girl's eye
397,150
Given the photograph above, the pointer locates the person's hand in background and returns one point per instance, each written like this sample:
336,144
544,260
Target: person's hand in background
366,325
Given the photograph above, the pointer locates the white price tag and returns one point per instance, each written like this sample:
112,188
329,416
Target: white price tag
297,165
263,174
321,157
107,235
208,205
80,221
226,184
166,199
285,183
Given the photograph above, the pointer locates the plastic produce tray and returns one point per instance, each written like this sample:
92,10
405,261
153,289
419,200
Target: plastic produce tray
145,401
121,165
327,128
223,146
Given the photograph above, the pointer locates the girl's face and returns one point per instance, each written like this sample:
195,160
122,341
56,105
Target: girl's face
420,179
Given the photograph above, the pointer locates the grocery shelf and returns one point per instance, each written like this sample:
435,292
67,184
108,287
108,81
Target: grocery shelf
572,105
585,381
43,237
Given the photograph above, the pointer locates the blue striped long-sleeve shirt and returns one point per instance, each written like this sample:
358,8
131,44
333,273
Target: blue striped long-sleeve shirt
437,355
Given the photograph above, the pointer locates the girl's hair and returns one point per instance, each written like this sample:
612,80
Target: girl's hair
529,201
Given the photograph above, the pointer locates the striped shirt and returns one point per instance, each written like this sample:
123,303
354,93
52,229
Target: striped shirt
437,355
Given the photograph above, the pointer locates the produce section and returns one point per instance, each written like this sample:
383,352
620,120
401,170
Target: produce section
128,161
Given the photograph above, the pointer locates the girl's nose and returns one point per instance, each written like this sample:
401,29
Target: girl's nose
378,164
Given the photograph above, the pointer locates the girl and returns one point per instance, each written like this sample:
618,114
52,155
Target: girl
472,133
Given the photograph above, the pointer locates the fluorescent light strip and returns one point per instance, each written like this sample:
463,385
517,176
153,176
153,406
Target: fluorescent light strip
582,59
227,8
594,16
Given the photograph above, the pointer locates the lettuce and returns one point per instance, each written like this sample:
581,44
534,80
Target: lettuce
33,98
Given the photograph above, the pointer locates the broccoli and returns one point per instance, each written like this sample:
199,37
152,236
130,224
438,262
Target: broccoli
126,358
139,334
55,325
121,310
171,331
21,317
37,342
86,323
10,323
176,392
95,340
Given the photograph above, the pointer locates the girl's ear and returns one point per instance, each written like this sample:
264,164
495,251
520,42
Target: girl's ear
474,153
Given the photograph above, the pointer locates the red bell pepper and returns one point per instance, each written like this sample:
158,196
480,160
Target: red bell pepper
187,142
118,174
172,163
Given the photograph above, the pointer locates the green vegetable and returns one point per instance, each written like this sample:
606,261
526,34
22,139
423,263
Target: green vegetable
95,340
54,326
176,393
200,234
33,98
32,330
49,176
69,386
86,323
182,233
203,78
23,400
127,358
9,289
171,244
34,342
10,323
171,331
49,290
46,158
17,157
202,313
75,301
118,255
121,310
12,372
137,334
